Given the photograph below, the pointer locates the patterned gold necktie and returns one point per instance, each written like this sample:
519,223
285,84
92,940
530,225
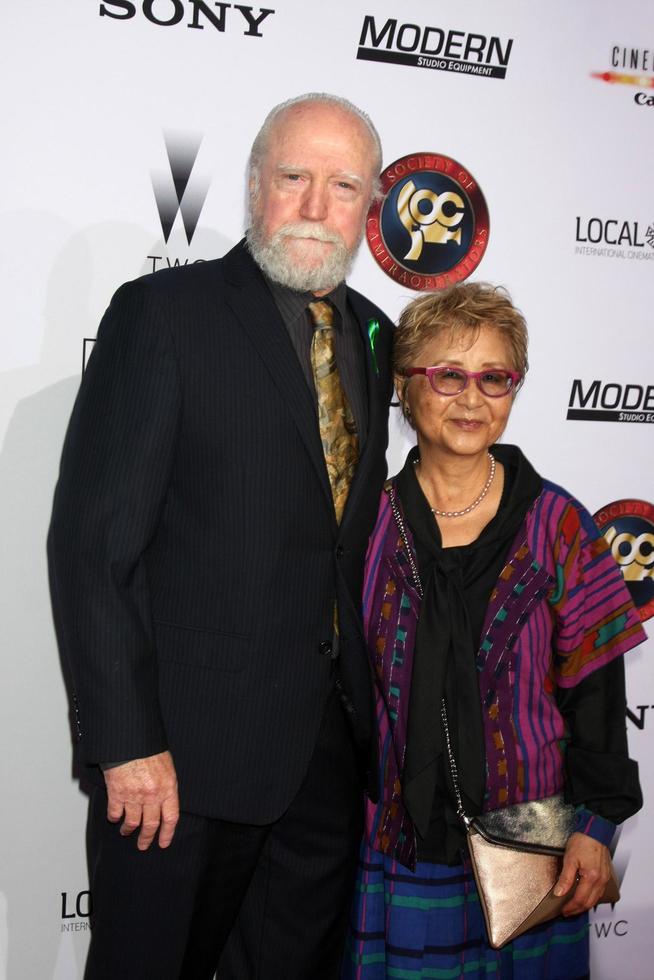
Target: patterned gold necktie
338,431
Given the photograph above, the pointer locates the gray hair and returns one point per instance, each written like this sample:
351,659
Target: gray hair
261,140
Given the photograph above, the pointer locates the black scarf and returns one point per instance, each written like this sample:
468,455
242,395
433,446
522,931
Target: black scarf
457,583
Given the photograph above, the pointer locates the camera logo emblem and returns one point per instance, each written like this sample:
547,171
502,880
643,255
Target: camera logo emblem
628,527
430,230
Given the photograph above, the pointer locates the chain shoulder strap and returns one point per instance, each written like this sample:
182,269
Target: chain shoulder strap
460,812
399,520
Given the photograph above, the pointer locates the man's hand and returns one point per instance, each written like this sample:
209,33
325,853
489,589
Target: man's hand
145,791
590,860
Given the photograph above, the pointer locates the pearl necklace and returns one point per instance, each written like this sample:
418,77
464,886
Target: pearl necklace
475,503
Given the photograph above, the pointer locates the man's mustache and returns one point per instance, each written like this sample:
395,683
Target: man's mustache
307,229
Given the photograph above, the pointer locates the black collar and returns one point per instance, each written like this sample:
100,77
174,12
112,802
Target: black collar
294,303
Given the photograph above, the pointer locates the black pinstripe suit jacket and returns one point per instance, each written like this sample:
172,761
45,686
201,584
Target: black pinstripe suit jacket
194,553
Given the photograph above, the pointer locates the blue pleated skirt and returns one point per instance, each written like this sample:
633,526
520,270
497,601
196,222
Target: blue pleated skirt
429,924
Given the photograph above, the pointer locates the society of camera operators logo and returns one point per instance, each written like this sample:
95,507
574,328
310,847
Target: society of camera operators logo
633,67
628,527
430,229
435,48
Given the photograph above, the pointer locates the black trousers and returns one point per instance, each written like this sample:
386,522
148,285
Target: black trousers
267,903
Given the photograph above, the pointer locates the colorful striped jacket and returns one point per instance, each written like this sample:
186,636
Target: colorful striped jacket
558,612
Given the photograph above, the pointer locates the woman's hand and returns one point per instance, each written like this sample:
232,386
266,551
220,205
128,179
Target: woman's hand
587,858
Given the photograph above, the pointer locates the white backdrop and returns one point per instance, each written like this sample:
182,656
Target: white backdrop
91,88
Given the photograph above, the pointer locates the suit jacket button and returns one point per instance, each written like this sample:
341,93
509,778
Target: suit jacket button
340,551
325,648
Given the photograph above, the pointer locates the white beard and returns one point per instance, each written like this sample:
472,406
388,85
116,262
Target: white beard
272,257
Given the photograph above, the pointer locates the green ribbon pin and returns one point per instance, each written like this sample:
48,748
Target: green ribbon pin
373,331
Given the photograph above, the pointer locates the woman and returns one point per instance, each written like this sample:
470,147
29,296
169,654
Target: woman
491,587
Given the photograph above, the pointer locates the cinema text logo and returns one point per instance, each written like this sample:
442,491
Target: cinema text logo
623,62
431,227
433,47
608,401
167,13
628,527
176,193
76,911
615,238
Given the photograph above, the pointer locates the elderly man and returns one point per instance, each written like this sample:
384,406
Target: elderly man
218,484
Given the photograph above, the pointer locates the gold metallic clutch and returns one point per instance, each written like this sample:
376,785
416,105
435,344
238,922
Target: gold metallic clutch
515,873
516,854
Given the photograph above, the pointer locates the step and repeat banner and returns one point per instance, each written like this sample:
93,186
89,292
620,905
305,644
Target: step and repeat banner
518,146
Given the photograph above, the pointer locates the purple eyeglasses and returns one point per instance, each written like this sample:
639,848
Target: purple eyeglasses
447,380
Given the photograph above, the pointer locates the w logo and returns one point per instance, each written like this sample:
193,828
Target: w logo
175,192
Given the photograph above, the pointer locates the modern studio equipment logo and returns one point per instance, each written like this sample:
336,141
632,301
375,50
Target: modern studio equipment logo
430,229
610,401
436,48
628,527
195,14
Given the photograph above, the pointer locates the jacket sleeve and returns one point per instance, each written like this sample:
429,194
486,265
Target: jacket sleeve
114,475
601,779
595,619
596,622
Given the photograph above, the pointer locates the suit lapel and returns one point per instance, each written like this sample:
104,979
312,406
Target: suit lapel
252,303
